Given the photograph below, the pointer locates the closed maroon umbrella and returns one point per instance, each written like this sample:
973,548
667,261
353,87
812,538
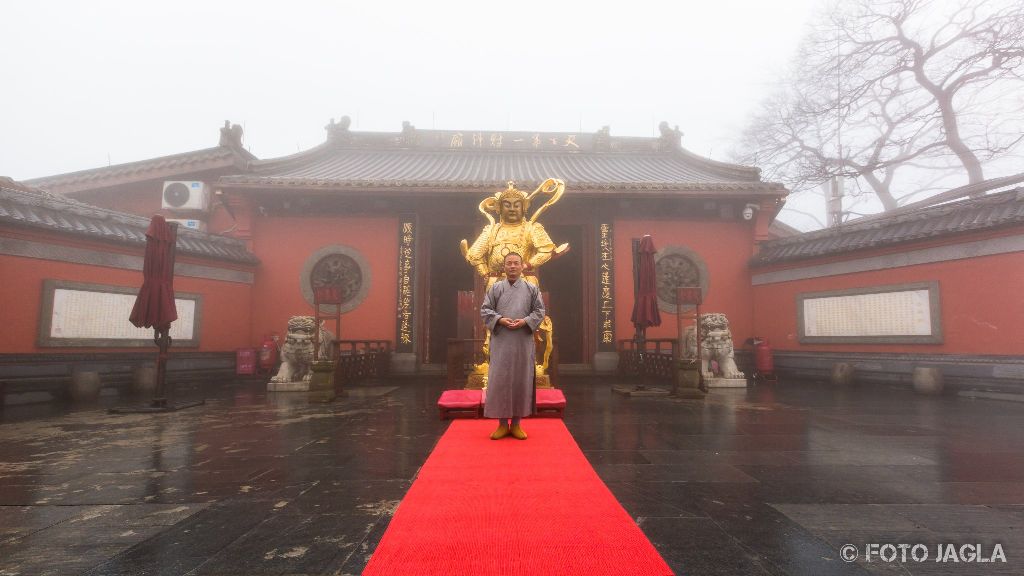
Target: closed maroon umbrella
645,303
645,299
154,307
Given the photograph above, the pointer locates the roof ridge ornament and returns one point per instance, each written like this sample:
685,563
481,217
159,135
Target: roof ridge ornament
231,135
408,137
603,139
340,131
671,138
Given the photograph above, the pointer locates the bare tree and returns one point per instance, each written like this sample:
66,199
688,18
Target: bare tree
884,91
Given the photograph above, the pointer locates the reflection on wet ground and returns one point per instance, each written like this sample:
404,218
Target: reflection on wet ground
770,480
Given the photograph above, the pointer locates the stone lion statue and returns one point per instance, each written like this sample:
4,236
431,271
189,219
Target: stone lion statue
716,344
297,351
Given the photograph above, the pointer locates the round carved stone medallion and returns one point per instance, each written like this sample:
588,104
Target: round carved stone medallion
675,267
338,270
340,266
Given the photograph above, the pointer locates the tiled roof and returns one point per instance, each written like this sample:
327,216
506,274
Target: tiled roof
779,229
428,159
8,183
22,205
969,215
198,160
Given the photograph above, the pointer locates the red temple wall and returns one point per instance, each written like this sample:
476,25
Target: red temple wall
283,244
725,248
225,305
981,305
980,298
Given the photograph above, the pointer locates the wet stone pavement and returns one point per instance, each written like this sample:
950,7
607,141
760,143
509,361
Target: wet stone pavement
775,479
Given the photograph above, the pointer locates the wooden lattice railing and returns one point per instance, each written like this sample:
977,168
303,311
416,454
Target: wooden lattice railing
660,360
361,359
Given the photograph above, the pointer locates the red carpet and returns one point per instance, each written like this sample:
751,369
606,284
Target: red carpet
511,508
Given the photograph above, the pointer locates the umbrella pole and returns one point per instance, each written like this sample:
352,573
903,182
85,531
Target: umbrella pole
162,338
701,384
640,336
641,345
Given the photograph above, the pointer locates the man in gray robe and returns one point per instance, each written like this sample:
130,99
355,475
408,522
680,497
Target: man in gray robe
512,311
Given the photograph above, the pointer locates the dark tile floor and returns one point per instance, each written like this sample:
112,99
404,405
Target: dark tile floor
769,480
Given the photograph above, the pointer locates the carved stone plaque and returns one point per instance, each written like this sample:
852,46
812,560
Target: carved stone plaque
338,271
888,314
677,267
96,315
337,266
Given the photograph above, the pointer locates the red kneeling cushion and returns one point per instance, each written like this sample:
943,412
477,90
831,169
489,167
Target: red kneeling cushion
548,398
460,399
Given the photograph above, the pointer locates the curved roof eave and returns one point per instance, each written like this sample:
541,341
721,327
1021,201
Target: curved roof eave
196,160
255,183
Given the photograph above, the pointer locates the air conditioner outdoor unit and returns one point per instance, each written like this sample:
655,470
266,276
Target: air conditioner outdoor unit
185,195
189,223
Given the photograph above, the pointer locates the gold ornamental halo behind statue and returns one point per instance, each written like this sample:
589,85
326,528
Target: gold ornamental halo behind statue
514,232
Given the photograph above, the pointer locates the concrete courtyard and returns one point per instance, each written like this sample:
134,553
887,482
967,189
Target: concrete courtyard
775,479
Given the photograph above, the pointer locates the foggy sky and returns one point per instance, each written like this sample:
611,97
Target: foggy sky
92,83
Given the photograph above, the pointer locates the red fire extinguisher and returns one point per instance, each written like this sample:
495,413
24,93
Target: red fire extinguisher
764,365
268,354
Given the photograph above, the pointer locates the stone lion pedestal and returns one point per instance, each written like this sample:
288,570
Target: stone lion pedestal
725,382
298,386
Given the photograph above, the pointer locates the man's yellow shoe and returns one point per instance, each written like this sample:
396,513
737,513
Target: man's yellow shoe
518,433
500,433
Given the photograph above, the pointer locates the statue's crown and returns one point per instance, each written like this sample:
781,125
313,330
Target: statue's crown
512,193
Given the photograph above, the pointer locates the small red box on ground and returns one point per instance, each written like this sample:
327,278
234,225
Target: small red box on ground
460,404
550,403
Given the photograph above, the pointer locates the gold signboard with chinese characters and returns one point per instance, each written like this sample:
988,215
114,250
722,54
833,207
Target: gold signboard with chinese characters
404,326
605,288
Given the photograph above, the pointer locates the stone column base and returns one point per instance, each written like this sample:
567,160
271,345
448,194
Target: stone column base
85,385
927,380
689,384
843,374
403,363
606,362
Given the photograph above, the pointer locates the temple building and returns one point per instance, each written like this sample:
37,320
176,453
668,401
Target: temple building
355,198
384,214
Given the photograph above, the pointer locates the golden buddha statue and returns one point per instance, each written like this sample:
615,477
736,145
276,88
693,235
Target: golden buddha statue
514,232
